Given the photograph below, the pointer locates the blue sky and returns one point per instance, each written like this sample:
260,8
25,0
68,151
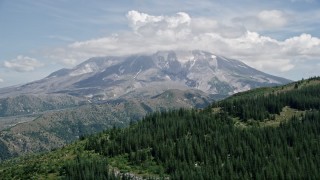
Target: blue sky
37,37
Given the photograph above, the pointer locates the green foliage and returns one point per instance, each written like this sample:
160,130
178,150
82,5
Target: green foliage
86,168
192,145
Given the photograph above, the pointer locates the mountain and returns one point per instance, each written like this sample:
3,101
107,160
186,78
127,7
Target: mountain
103,92
266,133
148,75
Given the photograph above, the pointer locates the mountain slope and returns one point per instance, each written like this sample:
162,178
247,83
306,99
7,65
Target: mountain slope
43,131
31,104
193,144
112,77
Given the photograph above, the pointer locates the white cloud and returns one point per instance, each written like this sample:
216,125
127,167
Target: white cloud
264,20
304,44
180,31
138,20
1,80
176,27
22,64
273,18
265,63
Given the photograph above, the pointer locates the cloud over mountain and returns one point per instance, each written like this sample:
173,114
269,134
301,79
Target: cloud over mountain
150,33
22,64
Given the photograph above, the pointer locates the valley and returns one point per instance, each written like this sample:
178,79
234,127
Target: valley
55,128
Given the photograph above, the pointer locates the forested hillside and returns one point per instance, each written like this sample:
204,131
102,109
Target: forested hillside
268,133
261,104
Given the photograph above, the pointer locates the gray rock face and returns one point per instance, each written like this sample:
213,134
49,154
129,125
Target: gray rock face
103,78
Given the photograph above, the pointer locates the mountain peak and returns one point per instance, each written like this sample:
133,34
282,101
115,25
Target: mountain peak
111,77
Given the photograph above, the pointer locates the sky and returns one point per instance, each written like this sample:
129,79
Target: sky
38,37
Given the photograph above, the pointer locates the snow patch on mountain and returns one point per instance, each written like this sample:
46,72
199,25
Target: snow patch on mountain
86,68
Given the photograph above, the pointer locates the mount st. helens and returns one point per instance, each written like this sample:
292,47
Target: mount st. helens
148,75
113,91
